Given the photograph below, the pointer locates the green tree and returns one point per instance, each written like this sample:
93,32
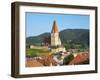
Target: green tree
67,59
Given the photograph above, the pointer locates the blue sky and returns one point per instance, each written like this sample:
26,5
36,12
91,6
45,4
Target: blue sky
38,23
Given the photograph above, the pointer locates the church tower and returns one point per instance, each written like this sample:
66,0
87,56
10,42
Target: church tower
55,40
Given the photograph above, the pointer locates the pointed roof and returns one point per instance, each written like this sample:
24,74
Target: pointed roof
54,27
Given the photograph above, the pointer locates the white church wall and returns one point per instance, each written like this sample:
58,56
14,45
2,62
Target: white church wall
54,39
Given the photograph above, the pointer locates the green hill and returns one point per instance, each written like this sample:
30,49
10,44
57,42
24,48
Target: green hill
36,39
73,35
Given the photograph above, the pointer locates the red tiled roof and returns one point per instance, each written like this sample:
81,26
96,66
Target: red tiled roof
79,58
33,63
47,60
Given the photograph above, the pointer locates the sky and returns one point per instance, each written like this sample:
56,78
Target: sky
38,23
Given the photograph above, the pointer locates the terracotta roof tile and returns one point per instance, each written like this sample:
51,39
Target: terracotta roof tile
33,63
79,58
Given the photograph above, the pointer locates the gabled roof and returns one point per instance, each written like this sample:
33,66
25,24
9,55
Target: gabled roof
33,63
80,58
54,28
47,60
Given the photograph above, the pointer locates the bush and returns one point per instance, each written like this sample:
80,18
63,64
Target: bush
67,59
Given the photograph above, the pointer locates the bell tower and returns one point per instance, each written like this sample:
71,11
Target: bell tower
55,40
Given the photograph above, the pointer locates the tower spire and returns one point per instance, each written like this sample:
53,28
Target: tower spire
55,40
54,28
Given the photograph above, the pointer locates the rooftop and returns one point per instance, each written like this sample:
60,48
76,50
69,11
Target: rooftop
54,28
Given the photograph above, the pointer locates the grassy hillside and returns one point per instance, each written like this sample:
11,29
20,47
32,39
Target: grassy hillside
67,35
36,51
80,35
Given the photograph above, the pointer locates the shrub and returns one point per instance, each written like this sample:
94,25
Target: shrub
67,59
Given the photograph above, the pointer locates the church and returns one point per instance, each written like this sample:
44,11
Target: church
56,45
